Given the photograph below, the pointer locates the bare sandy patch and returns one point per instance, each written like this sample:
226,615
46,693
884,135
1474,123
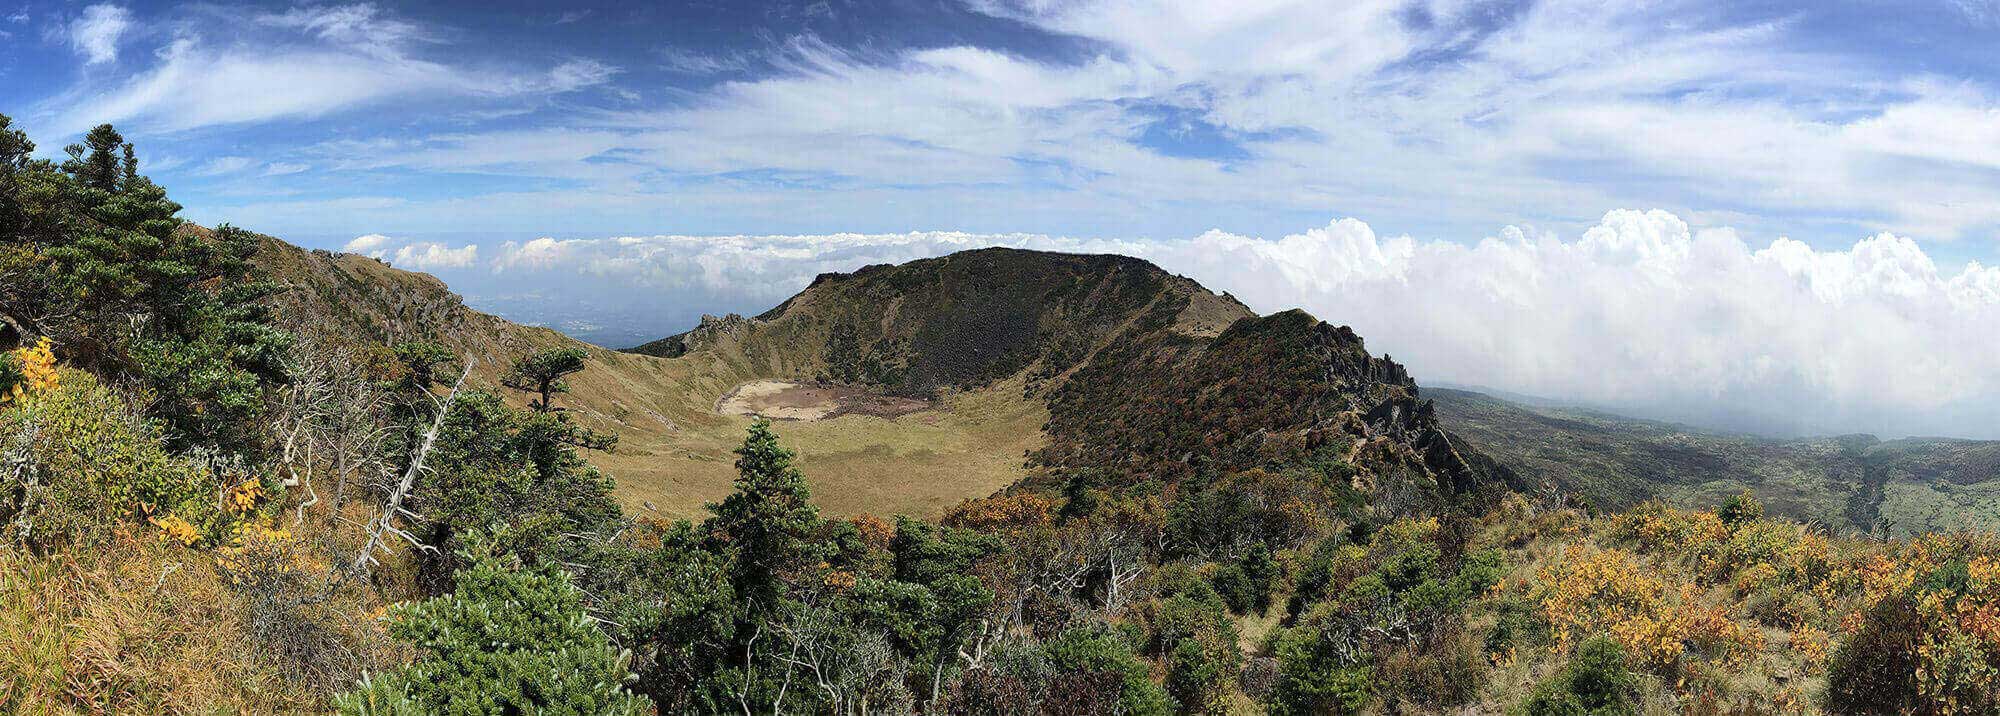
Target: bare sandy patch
780,400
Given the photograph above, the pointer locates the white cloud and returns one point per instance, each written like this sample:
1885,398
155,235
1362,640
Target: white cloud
362,26
573,75
367,243
1570,108
96,33
1640,311
685,61
223,165
431,255
417,255
303,63
1984,13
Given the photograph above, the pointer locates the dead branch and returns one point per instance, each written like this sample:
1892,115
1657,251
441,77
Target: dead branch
385,524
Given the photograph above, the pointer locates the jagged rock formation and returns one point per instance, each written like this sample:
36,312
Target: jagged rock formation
711,332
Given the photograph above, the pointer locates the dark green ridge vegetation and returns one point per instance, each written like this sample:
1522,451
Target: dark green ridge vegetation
1851,482
1269,391
962,321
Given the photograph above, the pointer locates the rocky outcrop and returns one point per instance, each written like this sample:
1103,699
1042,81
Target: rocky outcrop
711,331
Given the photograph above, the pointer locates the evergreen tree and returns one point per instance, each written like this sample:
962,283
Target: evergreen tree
95,258
542,373
494,464
95,163
939,561
507,640
768,523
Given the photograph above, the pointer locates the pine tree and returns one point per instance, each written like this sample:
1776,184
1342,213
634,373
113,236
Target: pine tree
508,640
542,373
95,257
769,522
99,169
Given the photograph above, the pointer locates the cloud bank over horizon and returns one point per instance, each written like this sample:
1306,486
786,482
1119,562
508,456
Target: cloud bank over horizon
1640,313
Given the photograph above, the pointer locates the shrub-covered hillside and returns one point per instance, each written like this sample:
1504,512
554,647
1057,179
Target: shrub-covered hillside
1851,482
207,505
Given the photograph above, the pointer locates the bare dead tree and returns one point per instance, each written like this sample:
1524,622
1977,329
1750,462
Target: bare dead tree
331,417
385,523
843,664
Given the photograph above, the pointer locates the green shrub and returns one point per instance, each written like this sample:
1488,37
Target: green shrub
1875,671
1596,682
508,640
10,375
1449,673
1106,652
1246,585
1741,508
87,458
1200,676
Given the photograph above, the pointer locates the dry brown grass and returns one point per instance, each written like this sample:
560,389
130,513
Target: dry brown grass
131,626
675,451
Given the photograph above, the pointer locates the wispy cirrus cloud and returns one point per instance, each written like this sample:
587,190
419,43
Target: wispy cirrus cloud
303,63
1460,113
692,62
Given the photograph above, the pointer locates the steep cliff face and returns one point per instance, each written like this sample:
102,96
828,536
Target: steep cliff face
1269,390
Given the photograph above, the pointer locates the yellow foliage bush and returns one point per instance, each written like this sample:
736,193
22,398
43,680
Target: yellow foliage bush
1659,620
28,371
96,461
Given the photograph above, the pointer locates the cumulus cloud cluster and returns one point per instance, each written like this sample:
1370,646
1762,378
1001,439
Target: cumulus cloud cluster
417,255
1640,312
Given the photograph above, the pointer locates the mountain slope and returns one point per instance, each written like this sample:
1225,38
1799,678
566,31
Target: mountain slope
1108,363
1143,373
674,449
1076,362
960,321
1855,481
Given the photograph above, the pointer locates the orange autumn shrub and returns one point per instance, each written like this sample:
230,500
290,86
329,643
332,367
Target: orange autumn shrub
1003,512
1660,620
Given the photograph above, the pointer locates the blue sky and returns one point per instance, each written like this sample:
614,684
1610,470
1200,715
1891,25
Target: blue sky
451,137
1116,118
